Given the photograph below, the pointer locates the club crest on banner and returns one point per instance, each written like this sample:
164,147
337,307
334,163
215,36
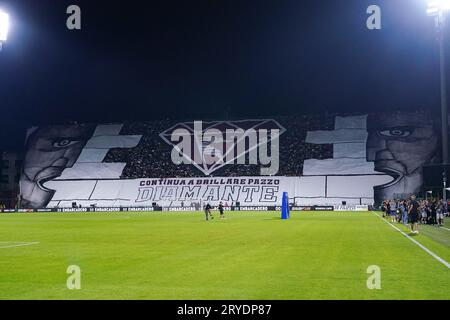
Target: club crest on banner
210,146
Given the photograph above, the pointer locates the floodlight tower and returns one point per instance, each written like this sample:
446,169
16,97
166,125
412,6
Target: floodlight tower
4,27
439,9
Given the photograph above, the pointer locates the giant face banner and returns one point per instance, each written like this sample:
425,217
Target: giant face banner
400,145
318,160
50,150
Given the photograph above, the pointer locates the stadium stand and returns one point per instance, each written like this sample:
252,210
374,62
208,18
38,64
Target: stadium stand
323,160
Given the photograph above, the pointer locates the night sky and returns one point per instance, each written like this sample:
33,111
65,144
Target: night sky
200,59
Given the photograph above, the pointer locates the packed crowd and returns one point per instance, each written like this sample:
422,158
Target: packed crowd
152,157
412,211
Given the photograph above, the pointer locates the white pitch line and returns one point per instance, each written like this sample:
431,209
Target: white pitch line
444,228
445,263
19,245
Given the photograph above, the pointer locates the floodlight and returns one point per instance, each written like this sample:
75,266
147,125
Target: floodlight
4,25
435,7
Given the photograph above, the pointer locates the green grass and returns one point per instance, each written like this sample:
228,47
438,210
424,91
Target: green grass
249,255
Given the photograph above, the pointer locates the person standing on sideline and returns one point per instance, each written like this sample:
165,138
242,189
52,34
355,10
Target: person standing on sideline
413,212
433,214
440,214
221,210
388,208
393,210
403,212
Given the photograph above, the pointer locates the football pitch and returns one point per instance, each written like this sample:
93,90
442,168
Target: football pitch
248,255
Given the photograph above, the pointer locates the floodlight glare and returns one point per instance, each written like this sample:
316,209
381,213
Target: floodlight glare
437,6
4,26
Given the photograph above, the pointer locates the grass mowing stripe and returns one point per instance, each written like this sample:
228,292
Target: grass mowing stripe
445,263
436,234
19,245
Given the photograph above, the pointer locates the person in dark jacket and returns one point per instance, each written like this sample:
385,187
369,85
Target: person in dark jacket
413,212
208,213
221,210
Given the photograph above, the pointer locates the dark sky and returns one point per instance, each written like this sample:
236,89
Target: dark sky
196,59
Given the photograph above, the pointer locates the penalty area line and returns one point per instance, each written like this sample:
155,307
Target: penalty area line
445,263
22,244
